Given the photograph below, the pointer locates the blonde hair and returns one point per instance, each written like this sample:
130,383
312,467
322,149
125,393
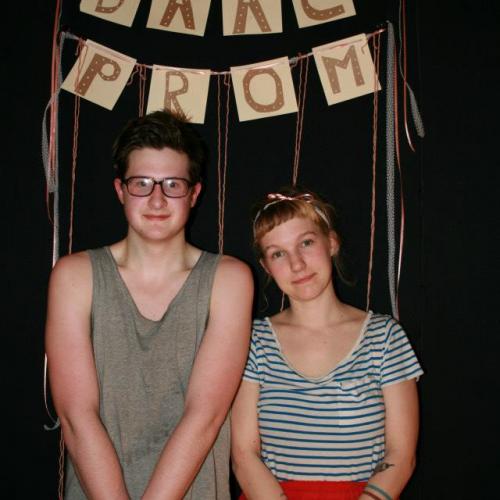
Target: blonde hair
286,204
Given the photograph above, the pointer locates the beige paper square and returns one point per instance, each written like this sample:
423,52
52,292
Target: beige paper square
115,11
180,16
251,17
312,12
99,74
356,78
264,89
187,91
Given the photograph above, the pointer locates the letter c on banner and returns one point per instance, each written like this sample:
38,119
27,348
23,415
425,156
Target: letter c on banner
279,101
95,68
321,14
108,10
171,103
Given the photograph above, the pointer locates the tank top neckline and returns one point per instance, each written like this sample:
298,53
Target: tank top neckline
124,288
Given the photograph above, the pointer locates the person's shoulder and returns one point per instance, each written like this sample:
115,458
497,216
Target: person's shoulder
231,269
71,270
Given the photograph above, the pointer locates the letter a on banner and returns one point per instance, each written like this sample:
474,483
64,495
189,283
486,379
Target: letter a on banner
99,74
311,12
180,90
116,11
180,16
251,17
264,89
346,69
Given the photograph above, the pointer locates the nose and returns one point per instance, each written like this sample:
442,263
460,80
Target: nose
296,262
157,199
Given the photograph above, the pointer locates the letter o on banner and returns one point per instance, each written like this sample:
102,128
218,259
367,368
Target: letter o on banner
264,89
279,101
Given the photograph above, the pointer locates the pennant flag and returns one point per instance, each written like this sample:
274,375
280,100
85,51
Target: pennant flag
311,12
180,16
116,11
346,69
251,17
180,90
264,89
99,74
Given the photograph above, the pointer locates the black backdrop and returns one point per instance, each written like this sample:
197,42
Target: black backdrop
447,293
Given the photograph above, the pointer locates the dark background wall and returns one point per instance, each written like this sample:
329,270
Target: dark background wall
448,288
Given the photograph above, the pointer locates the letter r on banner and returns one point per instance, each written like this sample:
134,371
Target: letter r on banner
180,90
346,69
171,103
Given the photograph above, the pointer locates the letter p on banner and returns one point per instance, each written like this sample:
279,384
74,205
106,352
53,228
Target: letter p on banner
264,89
99,74
346,69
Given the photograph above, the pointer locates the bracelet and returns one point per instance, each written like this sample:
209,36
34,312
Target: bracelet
371,495
379,490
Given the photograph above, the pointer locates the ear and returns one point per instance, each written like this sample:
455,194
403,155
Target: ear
195,192
334,243
119,189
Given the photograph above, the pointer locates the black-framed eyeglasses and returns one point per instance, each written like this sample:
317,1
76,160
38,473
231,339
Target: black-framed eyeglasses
172,187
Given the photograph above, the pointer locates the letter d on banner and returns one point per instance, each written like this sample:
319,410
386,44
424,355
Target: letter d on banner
99,74
264,89
115,11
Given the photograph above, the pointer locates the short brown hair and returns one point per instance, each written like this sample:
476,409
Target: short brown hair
158,130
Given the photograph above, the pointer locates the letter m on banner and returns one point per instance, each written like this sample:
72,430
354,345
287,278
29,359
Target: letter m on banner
346,69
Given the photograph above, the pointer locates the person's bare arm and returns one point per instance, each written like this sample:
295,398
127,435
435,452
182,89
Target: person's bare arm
255,479
73,380
401,432
214,380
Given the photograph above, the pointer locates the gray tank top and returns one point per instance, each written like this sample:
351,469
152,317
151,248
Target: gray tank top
143,368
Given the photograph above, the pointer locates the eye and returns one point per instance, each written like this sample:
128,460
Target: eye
308,242
172,183
277,254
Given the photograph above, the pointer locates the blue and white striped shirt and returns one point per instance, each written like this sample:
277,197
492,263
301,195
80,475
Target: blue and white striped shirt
330,428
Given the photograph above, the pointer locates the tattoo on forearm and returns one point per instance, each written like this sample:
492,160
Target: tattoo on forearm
381,467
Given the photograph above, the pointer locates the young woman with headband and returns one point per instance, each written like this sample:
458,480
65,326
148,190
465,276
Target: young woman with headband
328,407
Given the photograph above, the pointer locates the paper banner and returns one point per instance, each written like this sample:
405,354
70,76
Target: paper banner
311,12
180,16
264,89
180,90
346,69
99,74
251,17
116,11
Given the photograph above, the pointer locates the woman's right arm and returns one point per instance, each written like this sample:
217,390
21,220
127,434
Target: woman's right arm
255,479
73,380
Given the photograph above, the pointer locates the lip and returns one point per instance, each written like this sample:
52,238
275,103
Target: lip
156,218
304,279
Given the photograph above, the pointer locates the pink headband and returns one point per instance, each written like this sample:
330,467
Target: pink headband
278,197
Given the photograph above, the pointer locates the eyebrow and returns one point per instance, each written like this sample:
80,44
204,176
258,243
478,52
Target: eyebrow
265,249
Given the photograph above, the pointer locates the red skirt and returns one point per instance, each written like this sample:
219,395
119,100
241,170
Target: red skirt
321,490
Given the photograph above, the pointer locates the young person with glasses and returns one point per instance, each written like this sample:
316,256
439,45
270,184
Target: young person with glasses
147,338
